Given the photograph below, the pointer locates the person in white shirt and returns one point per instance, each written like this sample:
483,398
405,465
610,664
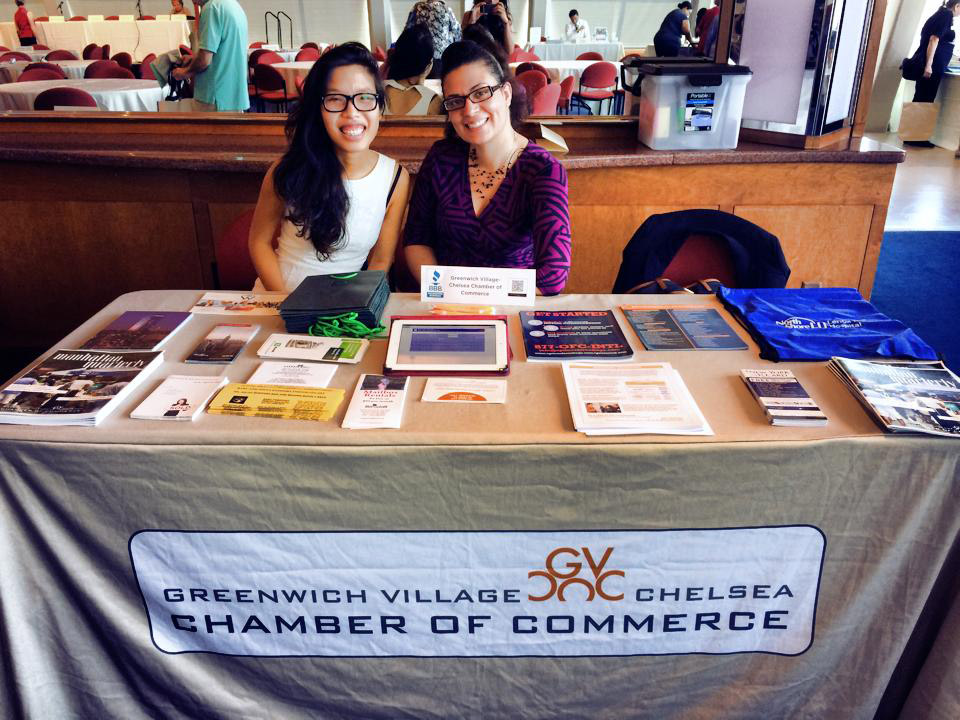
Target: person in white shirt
576,30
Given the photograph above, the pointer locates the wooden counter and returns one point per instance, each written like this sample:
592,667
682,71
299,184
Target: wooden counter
96,207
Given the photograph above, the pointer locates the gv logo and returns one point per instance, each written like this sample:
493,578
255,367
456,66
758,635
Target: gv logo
560,578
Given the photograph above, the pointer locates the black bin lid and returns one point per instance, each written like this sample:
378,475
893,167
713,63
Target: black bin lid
693,68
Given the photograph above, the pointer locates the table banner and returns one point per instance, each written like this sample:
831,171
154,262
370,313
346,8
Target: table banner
481,594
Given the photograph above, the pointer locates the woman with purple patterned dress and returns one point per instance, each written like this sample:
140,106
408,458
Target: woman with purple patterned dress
486,197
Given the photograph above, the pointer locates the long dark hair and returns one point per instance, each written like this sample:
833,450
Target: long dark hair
411,54
309,175
466,52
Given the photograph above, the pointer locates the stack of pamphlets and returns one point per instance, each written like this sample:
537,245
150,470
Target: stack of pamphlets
783,398
819,323
647,398
377,402
283,402
75,387
573,335
179,397
682,328
332,296
306,374
138,330
238,303
905,396
223,344
315,349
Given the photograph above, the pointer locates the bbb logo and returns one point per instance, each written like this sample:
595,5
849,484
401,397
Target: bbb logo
434,289
562,577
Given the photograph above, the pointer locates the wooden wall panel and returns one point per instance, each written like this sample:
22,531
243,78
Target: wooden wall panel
599,234
822,243
61,261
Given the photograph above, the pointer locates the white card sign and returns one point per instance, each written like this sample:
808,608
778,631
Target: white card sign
477,285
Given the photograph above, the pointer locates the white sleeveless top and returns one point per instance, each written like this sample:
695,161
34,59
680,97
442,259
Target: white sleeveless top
423,104
368,205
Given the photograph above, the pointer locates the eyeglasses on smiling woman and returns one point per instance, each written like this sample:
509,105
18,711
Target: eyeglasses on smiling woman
456,102
364,102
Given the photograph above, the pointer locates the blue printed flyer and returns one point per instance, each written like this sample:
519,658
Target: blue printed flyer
682,328
573,335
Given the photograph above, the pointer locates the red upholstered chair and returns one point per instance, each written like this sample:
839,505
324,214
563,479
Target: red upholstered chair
328,48
235,269
42,18
308,54
73,97
4,48
545,100
52,67
379,54
148,17
14,56
107,69
255,45
269,57
124,60
630,56
252,58
89,50
598,79
532,81
528,66
112,17
104,52
60,55
78,18
519,55
145,72
299,81
39,74
40,47
269,85
185,51
590,56
566,91
700,257
309,45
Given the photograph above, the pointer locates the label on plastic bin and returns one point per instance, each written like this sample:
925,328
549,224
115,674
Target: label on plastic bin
698,113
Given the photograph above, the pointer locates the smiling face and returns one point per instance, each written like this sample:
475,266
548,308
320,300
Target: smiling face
351,130
478,123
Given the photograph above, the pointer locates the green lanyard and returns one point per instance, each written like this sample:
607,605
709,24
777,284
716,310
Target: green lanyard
344,325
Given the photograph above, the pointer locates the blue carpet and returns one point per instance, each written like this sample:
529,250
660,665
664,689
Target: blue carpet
918,283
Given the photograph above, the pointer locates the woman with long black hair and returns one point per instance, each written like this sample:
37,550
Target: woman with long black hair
339,204
935,51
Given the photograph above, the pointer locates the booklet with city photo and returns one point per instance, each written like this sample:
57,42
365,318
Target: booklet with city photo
179,397
223,344
138,330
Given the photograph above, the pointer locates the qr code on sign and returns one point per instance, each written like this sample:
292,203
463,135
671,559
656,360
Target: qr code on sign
516,286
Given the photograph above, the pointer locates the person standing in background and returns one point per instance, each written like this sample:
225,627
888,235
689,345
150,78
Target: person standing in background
674,26
576,30
219,67
23,19
495,17
177,8
707,27
935,51
443,26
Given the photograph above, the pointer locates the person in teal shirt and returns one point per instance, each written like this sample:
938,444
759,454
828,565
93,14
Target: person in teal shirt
219,67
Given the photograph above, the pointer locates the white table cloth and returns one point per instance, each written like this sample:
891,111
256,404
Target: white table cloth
35,55
137,37
570,51
8,35
9,72
288,54
110,94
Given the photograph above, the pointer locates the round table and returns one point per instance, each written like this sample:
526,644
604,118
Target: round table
110,94
35,55
569,51
9,72
293,70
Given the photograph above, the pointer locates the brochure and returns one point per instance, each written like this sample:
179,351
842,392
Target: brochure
274,372
377,402
648,398
277,401
179,397
75,387
682,328
316,349
223,344
573,335
238,303
464,390
922,397
783,398
138,330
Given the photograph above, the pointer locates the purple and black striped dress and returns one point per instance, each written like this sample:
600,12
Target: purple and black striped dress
525,225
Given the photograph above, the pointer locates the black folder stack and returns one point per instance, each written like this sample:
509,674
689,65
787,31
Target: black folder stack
327,296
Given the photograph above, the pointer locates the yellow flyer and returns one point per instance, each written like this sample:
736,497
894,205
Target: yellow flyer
277,401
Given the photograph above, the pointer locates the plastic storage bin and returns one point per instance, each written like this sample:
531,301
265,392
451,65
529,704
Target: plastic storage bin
695,106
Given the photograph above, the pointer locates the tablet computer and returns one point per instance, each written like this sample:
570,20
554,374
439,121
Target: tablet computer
448,345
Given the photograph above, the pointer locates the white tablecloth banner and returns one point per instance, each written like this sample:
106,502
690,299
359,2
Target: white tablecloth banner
570,51
8,35
137,37
9,72
110,94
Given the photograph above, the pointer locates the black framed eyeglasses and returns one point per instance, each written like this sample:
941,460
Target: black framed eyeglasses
364,102
456,102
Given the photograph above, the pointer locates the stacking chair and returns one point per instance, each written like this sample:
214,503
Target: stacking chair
269,85
145,72
112,17
527,66
378,54
598,79
590,56
532,81
46,66
40,47
545,100
255,45
310,45
73,97
148,17
520,55
14,56
78,18
60,55
42,18
308,54
41,74
107,69
124,60
268,57
89,50
566,92
234,269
